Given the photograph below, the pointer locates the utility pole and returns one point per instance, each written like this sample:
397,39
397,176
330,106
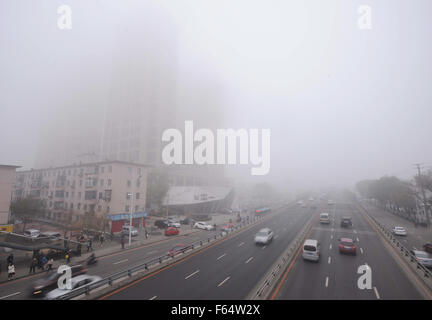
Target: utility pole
425,206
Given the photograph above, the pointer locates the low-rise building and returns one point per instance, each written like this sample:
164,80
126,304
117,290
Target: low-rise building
70,193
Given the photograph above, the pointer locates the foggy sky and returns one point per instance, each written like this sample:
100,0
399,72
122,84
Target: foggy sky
342,104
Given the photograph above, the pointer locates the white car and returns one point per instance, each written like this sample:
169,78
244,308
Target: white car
32,233
203,226
173,223
133,231
399,231
264,236
77,282
324,218
311,250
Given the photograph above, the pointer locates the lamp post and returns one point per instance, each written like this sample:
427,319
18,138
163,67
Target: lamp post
132,211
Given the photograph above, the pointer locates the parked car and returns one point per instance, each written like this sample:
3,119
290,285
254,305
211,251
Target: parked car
77,282
161,224
133,231
32,233
185,221
51,234
174,224
428,247
171,231
399,231
346,222
203,226
177,249
311,250
264,236
346,245
423,258
49,282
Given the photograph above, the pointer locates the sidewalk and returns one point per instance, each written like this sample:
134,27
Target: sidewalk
22,259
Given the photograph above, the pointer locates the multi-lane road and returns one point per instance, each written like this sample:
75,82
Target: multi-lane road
232,267
335,275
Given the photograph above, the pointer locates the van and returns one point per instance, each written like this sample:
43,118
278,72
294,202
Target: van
311,250
125,231
32,233
324,218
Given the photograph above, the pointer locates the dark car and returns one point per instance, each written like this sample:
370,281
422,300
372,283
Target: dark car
346,245
49,282
185,221
346,222
428,247
161,224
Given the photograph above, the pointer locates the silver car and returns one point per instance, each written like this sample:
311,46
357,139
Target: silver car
77,282
399,231
423,258
264,236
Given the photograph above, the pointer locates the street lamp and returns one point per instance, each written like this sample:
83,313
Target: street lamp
131,212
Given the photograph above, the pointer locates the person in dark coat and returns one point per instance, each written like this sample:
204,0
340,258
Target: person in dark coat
33,265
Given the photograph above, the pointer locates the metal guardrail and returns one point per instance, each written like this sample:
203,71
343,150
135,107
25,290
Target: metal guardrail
395,242
85,290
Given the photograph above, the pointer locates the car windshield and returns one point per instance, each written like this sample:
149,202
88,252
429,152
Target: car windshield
422,255
346,243
262,234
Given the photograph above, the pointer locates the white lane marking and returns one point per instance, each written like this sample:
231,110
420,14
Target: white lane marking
121,261
361,250
191,274
331,237
332,230
329,260
151,252
376,293
221,256
330,246
223,281
241,244
327,280
355,231
263,247
10,295
358,240
248,260
153,298
276,236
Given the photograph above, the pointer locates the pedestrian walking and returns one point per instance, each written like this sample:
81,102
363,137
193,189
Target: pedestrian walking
68,256
50,264
44,261
89,245
102,239
111,236
33,265
146,233
79,249
122,242
10,259
11,271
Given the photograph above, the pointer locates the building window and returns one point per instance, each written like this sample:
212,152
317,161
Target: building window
110,169
136,208
99,208
90,195
73,194
127,196
127,208
50,204
101,182
137,195
138,183
100,195
129,170
67,194
128,183
109,182
79,206
80,183
71,205
79,195
85,207
108,209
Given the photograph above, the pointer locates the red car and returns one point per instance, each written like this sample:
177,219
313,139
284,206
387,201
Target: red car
346,245
171,231
176,249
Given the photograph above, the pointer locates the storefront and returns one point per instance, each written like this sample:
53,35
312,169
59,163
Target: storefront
117,221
